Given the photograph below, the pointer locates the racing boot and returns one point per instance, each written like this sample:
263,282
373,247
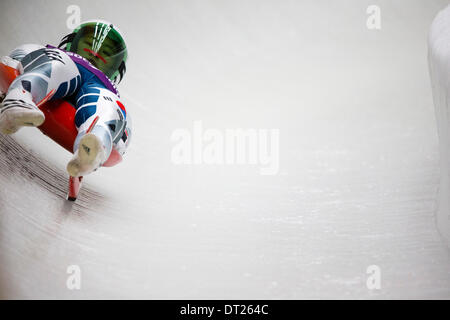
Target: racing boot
92,149
17,110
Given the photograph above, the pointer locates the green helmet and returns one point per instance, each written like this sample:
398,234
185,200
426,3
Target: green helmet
102,44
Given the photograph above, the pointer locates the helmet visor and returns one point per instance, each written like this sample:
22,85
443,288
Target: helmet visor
101,45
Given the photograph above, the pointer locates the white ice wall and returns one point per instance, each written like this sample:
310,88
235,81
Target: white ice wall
439,62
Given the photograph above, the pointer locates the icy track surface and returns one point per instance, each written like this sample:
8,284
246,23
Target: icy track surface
359,164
